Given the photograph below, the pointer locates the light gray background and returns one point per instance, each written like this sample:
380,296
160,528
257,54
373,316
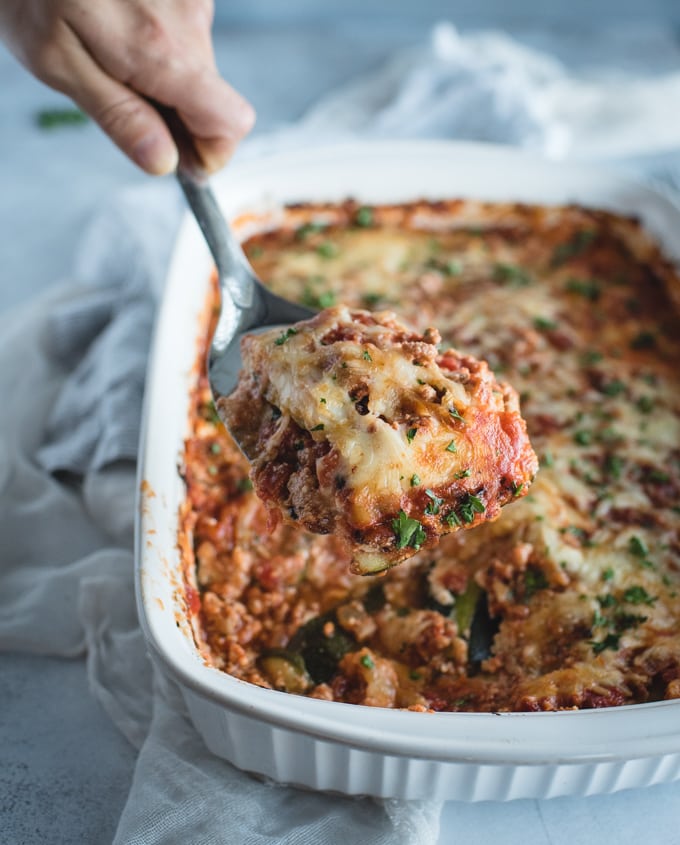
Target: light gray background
64,770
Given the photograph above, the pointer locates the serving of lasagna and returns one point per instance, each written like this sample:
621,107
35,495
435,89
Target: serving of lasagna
570,598
358,426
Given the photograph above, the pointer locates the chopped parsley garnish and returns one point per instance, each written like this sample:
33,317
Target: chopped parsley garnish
464,473
210,412
323,401
285,335
470,506
614,388
607,574
309,229
367,661
323,299
244,485
415,480
366,355
414,675
572,248
637,547
607,600
543,324
371,298
659,477
591,356
611,641
410,434
435,504
584,287
364,216
319,427
456,414
59,118
511,274
516,488
534,580
645,404
452,447
548,460
638,595
643,340
583,437
409,532
327,249
215,448
613,466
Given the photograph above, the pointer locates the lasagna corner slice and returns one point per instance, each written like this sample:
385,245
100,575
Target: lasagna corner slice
359,426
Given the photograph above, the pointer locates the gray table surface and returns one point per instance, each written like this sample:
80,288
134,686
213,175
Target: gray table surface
64,769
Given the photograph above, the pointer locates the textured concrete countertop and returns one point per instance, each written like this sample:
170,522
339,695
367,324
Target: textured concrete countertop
64,770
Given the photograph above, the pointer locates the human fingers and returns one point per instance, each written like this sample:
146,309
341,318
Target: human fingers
169,58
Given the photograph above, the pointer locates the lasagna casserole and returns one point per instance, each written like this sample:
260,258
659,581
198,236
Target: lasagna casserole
570,598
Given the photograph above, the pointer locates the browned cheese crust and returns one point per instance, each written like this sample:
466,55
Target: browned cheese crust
359,426
570,598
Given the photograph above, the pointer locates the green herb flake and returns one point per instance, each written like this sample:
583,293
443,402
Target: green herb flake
548,460
543,324
613,466
364,216
464,473
410,434
659,476
244,485
319,427
415,480
320,300
582,437
367,661
414,675
534,580
452,447
452,518
60,118
645,404
409,532
327,249
574,247
590,357
307,229
614,388
586,288
456,414
434,505
611,641
512,275
212,469
607,574
637,547
323,401
285,335
366,355
215,448
470,506
643,340
638,595
607,600
516,488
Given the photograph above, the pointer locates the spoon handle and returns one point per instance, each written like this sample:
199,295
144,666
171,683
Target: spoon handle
192,176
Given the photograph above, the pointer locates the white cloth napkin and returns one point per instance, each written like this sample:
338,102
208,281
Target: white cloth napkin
72,372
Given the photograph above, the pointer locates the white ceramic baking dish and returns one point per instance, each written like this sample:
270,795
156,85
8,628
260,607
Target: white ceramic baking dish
351,748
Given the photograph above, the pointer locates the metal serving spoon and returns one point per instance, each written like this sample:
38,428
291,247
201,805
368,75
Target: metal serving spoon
246,304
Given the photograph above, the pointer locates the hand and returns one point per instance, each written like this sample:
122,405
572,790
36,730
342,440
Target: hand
110,55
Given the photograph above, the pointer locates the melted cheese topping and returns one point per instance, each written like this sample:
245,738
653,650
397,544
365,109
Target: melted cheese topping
411,437
576,587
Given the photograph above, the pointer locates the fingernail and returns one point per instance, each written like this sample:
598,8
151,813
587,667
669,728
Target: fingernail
243,117
156,154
